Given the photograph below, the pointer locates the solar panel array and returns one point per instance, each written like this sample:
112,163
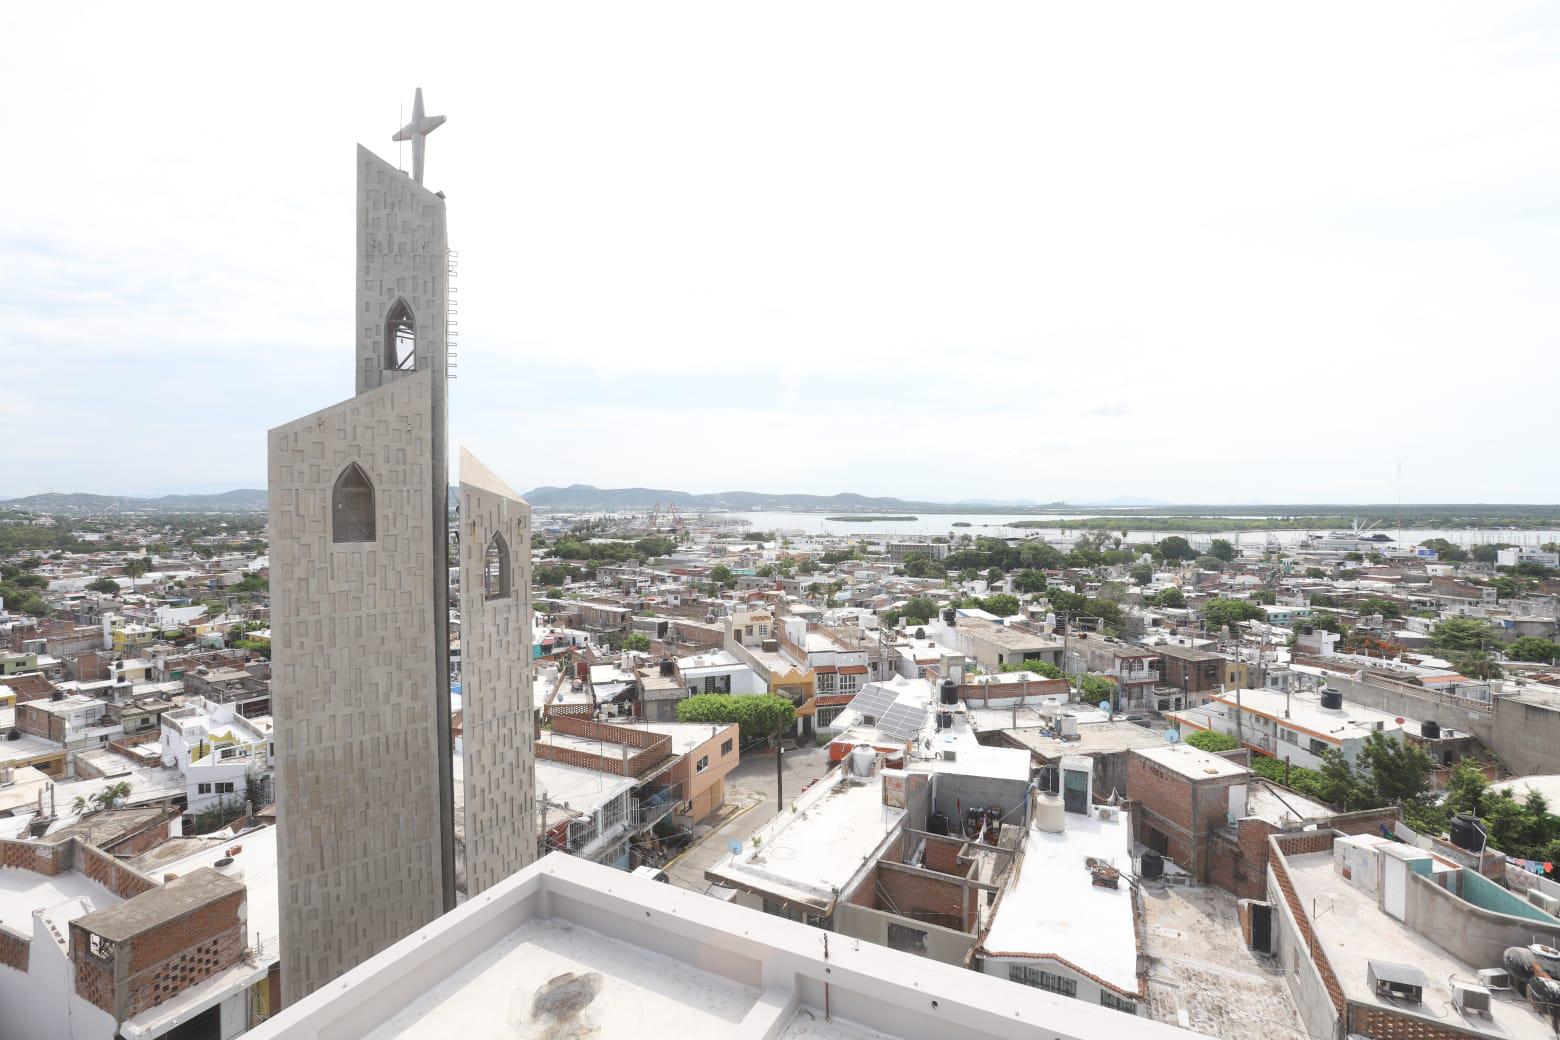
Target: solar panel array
873,701
902,721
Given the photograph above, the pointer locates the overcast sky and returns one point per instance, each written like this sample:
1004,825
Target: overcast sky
1201,253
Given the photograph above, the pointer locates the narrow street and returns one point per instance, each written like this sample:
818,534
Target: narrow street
750,803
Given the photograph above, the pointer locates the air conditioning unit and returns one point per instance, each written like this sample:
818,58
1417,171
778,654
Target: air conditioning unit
1471,999
1494,978
1107,812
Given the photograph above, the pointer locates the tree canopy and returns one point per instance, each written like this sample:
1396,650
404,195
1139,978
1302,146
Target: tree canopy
1175,547
758,716
1208,740
1532,648
1219,613
1221,549
1461,634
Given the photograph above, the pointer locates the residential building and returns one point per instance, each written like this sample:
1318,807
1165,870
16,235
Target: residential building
1296,726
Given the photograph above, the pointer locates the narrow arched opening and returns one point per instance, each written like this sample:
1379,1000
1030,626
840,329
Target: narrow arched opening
495,568
400,338
352,515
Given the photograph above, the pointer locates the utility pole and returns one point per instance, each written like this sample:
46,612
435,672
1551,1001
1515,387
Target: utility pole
779,777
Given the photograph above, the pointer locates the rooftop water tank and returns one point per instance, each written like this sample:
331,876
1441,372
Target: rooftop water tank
1332,699
1465,834
1049,813
950,692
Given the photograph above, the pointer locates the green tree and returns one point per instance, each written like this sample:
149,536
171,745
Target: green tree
1040,555
1170,597
1041,668
107,586
637,641
758,716
995,575
1095,689
720,574
1445,550
1489,552
655,545
1221,549
1532,648
1378,605
1219,613
1399,770
1461,634
1141,574
1208,740
1002,605
1065,602
1315,572
136,566
921,565
1029,581
1475,664
1174,548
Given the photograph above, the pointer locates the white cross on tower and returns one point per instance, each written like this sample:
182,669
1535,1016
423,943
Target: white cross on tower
417,132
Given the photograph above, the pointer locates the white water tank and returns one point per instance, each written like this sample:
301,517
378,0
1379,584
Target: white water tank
1049,814
1067,727
861,758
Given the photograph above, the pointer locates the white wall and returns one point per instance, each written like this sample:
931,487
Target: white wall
41,1004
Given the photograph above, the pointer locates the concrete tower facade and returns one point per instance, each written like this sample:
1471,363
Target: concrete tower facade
495,637
359,596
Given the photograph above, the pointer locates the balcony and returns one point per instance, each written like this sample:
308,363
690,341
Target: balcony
1138,675
655,802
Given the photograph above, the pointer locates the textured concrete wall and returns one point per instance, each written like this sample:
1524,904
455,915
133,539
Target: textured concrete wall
353,687
498,739
360,681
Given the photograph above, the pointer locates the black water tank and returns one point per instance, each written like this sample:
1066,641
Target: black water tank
937,823
1430,729
1331,698
945,720
950,692
1153,866
950,616
1465,834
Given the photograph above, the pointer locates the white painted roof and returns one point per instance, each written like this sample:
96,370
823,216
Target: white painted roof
1192,763
1053,906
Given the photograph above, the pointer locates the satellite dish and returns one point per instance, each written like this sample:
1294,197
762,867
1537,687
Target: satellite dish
1172,735
734,847
1105,706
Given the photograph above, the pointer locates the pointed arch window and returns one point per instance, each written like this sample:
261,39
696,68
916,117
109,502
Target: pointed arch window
400,338
495,568
352,507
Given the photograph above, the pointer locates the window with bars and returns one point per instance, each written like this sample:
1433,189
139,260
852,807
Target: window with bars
1046,980
352,507
1110,1000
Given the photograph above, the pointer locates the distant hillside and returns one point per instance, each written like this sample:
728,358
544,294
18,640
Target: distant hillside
243,500
585,498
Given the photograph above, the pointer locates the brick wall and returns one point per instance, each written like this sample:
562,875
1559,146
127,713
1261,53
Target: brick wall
13,951
145,839
124,881
653,747
48,860
191,966
925,897
1166,801
94,978
1385,1025
943,856
1299,845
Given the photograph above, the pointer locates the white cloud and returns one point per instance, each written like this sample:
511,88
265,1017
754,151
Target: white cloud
1215,251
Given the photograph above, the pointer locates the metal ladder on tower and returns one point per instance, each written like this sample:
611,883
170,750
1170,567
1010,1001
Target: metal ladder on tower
451,312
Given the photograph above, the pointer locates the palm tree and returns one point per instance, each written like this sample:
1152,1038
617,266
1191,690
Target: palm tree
79,806
106,798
